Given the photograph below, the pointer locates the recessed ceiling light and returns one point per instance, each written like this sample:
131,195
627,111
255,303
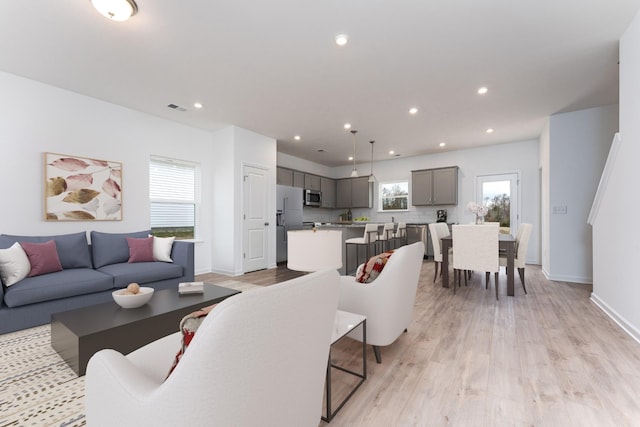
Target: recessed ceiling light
297,138
198,104
342,39
347,125
350,158
490,130
442,144
413,110
483,90
392,152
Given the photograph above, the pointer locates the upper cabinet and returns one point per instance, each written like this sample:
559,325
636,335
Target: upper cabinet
328,189
298,179
354,193
311,182
434,186
284,176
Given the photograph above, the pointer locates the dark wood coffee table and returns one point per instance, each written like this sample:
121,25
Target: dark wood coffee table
78,334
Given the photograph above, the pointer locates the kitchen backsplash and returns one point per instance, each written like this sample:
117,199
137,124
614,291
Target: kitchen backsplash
417,214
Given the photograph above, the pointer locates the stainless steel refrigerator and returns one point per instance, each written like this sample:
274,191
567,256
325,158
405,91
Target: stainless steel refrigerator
288,216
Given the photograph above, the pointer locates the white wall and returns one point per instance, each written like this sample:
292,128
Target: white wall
616,247
544,198
37,118
578,146
520,157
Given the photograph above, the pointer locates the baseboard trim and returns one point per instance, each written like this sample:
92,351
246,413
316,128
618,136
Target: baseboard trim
570,279
613,315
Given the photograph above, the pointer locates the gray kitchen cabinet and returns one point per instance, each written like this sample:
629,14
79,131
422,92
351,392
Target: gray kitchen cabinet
328,189
311,182
431,187
284,176
298,179
353,193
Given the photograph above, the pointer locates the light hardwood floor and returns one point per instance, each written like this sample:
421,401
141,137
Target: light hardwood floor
549,358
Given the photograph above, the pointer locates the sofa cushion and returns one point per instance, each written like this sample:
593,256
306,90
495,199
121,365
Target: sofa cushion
140,249
43,257
141,272
112,248
73,249
14,264
61,284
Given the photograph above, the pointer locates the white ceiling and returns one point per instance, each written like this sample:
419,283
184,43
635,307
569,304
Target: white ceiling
272,66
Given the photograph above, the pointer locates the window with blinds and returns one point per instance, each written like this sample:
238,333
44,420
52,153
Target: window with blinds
172,192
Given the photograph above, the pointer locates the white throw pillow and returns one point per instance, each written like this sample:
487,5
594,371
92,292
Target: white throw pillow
14,264
162,248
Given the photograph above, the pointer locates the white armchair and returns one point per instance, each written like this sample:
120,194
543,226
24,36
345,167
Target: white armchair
259,358
387,301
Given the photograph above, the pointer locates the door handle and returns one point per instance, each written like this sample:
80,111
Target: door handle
266,223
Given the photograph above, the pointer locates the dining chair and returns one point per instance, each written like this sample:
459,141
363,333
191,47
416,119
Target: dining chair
476,248
369,238
522,243
437,231
385,236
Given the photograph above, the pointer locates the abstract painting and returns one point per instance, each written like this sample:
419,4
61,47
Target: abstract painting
82,189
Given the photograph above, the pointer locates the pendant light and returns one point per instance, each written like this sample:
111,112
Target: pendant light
372,177
354,172
116,10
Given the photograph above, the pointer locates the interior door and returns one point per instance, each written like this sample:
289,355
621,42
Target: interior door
256,224
499,193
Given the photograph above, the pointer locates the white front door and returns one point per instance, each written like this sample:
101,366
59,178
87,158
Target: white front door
256,224
499,193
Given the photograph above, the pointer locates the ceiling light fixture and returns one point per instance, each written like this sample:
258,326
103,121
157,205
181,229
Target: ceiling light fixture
116,10
413,110
198,105
372,178
483,90
490,130
442,144
347,126
354,172
392,152
342,39
297,138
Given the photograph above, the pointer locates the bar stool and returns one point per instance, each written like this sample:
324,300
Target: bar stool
369,237
400,235
385,236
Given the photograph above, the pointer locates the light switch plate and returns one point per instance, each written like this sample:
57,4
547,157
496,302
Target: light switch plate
560,210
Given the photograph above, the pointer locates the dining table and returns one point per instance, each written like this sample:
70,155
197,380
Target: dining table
506,243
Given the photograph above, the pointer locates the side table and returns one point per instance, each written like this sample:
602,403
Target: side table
345,322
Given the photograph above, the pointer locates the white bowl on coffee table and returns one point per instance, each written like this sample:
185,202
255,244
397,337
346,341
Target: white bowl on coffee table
132,300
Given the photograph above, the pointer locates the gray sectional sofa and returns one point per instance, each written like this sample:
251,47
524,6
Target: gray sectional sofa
90,273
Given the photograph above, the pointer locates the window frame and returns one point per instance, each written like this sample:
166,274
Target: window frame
380,195
195,200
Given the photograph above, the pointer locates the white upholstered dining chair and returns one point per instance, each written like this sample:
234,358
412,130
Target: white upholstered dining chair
522,243
437,231
475,247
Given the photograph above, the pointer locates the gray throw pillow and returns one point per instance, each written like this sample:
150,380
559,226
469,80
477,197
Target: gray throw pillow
112,248
73,249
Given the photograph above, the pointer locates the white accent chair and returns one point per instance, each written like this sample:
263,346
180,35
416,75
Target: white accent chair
388,300
522,244
475,247
258,359
370,237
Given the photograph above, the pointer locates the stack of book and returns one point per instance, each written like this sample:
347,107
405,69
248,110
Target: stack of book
190,288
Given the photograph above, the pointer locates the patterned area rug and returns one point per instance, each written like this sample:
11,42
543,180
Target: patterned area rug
37,388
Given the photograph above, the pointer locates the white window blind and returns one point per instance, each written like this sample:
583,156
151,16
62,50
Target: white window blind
172,191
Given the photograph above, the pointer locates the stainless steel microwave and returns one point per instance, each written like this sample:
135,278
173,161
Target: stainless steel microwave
312,198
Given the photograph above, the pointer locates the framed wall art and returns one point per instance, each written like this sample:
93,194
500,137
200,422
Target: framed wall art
82,189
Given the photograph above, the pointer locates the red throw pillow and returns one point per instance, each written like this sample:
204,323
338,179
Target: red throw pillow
43,257
188,326
373,267
140,249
